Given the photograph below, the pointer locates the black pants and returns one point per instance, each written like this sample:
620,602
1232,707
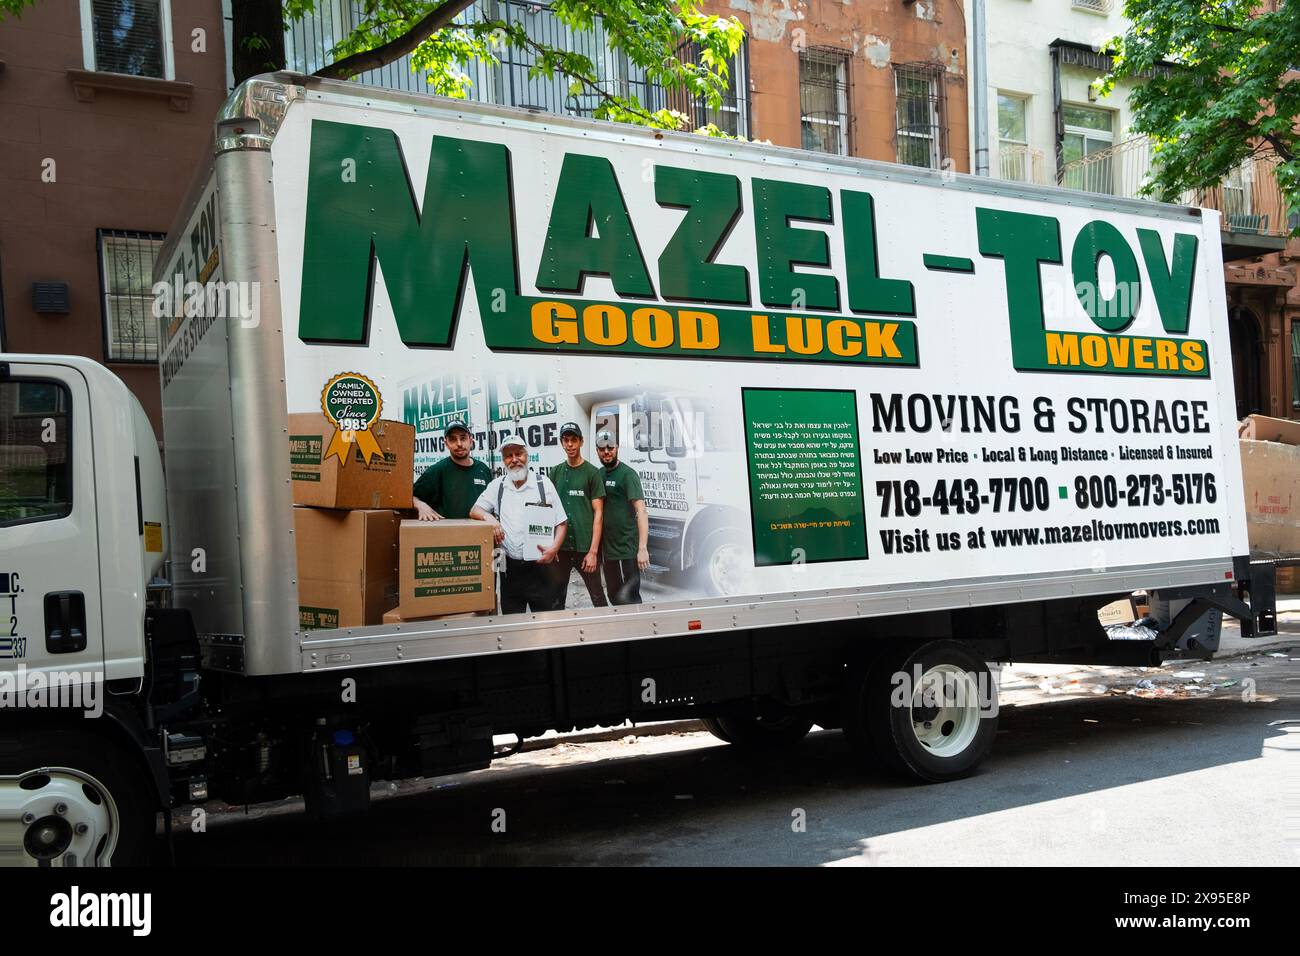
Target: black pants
569,562
526,586
623,581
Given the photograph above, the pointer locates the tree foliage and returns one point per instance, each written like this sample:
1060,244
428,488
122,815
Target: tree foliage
443,36
1216,85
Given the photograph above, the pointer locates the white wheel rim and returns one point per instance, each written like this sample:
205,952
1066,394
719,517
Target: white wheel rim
69,820
725,569
945,710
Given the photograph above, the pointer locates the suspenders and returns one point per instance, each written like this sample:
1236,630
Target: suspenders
501,490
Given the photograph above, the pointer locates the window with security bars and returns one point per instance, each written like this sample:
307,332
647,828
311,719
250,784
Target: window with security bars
732,113
919,132
309,43
126,261
127,36
823,101
1295,364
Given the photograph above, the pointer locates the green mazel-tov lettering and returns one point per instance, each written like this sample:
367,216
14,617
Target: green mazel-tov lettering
317,618
464,224
446,562
1026,241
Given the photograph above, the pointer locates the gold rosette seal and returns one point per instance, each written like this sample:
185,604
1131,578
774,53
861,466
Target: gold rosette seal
353,404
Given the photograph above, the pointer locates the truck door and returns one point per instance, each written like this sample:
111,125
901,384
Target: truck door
50,617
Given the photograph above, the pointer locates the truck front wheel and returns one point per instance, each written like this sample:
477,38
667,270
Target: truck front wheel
75,801
927,712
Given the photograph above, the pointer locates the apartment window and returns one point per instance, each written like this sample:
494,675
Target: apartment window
128,36
1013,138
126,261
1237,188
1089,134
1103,7
732,115
1295,363
824,101
919,133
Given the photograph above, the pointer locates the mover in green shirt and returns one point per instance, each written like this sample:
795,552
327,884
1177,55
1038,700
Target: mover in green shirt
582,492
449,488
627,525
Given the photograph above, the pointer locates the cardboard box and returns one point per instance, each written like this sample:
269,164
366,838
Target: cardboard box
446,568
347,566
384,482
1271,478
1288,580
1123,611
1262,428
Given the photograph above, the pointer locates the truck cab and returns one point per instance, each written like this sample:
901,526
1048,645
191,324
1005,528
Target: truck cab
82,533
80,480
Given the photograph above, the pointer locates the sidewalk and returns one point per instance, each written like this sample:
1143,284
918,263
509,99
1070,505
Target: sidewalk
1288,629
1033,683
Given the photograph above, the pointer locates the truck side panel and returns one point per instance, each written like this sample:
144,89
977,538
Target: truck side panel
430,253
202,487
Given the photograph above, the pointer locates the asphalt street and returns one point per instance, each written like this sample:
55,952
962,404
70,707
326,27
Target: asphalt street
1198,765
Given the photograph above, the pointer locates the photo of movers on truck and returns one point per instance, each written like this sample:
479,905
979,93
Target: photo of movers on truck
665,439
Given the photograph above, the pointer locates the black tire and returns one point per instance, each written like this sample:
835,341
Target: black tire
759,733
712,725
119,773
951,743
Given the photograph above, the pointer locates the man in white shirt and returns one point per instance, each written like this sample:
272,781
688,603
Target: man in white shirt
517,504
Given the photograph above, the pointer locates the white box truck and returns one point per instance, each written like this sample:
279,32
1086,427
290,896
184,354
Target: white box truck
889,425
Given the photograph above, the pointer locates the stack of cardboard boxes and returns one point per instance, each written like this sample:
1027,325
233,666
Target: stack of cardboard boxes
1270,468
359,563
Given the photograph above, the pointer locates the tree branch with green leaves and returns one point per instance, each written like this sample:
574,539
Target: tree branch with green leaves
443,37
1216,85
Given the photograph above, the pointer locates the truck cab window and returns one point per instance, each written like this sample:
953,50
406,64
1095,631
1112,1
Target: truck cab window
35,464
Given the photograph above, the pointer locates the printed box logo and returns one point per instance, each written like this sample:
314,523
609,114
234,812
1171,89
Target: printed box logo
305,450
317,618
448,570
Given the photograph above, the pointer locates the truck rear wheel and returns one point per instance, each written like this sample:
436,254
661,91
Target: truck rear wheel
927,712
760,733
78,802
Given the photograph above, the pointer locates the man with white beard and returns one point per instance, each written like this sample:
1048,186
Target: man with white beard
511,503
